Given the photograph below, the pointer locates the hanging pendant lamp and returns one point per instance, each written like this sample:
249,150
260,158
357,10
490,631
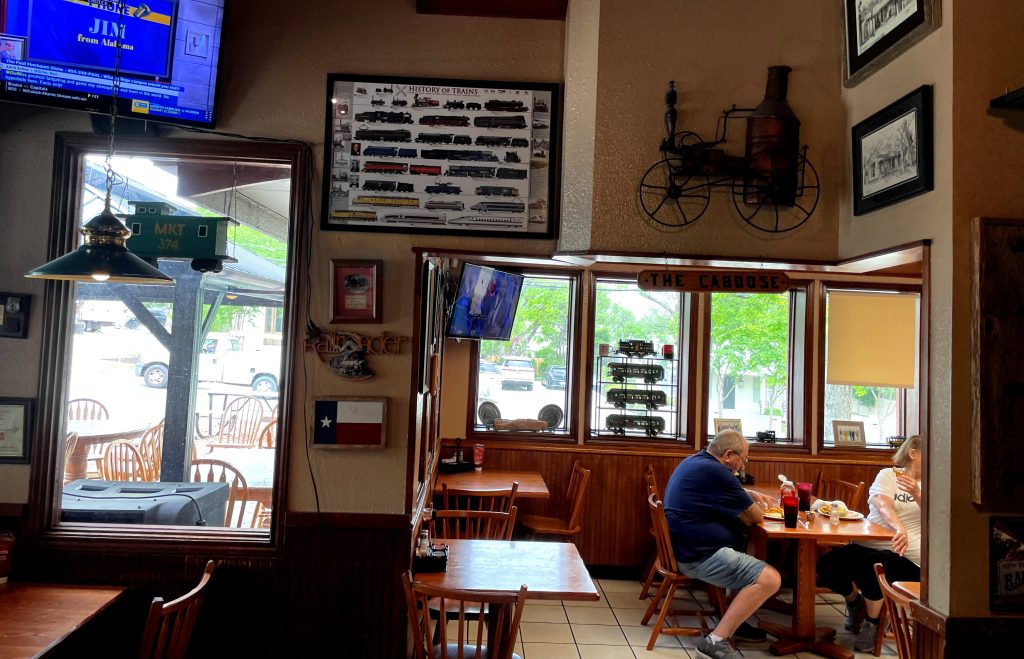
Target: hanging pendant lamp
103,256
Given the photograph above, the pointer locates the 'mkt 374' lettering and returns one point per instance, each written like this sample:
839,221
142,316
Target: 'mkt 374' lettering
105,28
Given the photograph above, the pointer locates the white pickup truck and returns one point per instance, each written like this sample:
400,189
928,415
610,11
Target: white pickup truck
222,359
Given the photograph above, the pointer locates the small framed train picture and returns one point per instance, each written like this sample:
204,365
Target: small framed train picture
441,156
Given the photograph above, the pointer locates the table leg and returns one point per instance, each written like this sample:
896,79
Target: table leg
78,462
804,636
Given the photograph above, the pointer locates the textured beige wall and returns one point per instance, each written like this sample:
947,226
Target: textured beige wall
275,62
928,216
718,58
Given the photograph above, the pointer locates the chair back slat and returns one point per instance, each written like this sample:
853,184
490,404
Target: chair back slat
80,409
503,613
268,436
662,537
575,496
500,500
897,610
474,524
854,495
151,448
241,423
169,625
122,462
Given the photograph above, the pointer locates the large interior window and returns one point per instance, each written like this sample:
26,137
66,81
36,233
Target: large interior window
640,358
871,367
749,363
172,398
530,376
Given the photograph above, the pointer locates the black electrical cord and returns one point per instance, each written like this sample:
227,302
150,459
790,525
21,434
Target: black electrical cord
199,512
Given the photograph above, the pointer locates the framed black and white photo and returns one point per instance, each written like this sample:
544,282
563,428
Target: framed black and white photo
878,31
848,433
892,153
15,429
441,156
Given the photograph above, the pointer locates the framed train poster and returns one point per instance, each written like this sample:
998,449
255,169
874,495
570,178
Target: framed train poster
441,156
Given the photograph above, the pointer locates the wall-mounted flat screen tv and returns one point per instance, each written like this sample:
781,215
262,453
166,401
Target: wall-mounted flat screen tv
485,304
61,53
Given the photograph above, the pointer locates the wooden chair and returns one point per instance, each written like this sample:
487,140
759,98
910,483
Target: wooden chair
86,408
474,524
169,626
205,470
70,442
122,462
151,448
650,487
268,436
671,580
240,424
503,612
572,523
487,500
855,496
896,608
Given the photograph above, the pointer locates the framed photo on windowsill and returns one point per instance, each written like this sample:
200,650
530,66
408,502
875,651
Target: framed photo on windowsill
15,429
892,153
878,31
441,156
848,433
729,424
356,291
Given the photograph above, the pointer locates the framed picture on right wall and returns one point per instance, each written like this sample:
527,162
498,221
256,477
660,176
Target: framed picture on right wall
892,153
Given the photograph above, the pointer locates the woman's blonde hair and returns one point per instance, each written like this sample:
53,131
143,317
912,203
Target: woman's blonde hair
902,455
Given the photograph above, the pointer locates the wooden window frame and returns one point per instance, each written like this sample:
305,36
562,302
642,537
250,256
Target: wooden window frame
43,528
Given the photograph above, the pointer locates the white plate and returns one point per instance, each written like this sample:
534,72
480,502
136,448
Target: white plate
852,515
778,516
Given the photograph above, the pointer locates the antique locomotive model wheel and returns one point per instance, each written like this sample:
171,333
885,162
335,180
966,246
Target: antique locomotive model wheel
752,195
670,193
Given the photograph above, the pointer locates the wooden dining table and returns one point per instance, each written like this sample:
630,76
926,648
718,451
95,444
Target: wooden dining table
550,570
531,483
911,589
803,635
36,618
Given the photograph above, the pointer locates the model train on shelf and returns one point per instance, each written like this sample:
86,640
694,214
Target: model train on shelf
620,423
635,348
650,373
649,399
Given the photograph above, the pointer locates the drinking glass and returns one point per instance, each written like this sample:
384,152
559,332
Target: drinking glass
790,510
803,491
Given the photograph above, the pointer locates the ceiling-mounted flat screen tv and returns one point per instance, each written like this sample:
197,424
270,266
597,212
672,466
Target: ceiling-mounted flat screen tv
61,53
485,304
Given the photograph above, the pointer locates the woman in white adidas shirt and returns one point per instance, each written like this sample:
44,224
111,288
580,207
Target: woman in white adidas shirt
895,503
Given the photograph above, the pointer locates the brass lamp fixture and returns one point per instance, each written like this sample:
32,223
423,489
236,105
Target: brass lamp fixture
103,256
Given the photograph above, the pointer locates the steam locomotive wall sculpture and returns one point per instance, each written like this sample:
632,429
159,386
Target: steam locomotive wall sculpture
774,186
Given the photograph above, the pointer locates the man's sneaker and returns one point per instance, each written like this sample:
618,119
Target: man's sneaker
720,650
854,614
865,641
749,634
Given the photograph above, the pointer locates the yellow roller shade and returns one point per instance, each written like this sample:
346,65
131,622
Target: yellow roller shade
872,339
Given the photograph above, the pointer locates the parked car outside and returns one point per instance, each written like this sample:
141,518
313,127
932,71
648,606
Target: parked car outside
517,373
222,359
555,378
488,378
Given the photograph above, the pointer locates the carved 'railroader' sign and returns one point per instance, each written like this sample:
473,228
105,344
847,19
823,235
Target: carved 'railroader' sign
716,280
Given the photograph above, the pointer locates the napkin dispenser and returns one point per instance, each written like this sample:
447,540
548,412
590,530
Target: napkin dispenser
434,560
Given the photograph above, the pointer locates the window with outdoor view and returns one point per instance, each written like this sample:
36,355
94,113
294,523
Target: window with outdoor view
172,392
639,359
748,363
871,345
530,375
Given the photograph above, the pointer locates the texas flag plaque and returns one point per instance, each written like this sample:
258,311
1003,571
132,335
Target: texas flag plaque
352,422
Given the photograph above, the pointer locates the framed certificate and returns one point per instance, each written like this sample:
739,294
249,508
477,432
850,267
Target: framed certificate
356,291
15,429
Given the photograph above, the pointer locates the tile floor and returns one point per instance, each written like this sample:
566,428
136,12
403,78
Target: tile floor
611,629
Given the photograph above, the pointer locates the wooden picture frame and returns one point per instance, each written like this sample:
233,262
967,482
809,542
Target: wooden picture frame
892,153
350,422
877,32
848,433
441,156
16,430
728,424
356,292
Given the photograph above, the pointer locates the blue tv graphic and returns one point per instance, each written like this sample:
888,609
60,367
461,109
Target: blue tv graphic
83,33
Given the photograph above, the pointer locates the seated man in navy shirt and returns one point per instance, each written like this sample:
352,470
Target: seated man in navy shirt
707,510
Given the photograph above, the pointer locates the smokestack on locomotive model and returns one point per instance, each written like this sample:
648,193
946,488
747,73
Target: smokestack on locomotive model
773,145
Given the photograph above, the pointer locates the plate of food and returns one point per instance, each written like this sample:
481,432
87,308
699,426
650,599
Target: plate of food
845,513
774,513
851,514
